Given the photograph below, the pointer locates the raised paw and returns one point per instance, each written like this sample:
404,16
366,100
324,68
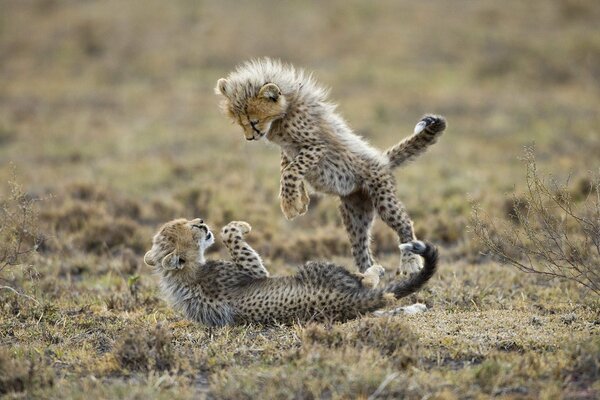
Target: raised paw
370,278
431,123
293,205
235,228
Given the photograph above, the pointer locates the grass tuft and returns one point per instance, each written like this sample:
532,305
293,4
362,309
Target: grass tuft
138,350
18,375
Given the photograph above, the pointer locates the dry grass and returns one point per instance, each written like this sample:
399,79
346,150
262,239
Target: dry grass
107,112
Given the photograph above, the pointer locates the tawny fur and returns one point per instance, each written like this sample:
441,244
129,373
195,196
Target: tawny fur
219,292
284,105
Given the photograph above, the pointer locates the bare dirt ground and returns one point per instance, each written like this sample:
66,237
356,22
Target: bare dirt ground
107,114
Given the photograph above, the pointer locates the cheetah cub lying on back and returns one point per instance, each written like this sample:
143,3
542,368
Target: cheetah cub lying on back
223,292
274,101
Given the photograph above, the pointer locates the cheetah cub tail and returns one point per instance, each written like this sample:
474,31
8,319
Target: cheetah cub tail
429,252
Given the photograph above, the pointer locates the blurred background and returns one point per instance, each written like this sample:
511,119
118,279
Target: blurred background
107,110
109,127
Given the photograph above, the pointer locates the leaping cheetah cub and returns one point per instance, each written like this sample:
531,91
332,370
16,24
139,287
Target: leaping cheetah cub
274,101
219,292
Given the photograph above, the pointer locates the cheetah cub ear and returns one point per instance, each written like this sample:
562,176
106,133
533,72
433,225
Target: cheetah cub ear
270,91
221,87
172,261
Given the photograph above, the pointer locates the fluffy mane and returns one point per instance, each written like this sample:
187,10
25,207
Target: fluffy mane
247,79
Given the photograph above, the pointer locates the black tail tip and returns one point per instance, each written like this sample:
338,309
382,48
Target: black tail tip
427,250
430,253
418,247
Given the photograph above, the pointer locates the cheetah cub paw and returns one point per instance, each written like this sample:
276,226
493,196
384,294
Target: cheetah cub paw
294,204
370,278
411,262
431,123
235,228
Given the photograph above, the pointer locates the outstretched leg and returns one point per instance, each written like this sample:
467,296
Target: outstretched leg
383,194
241,252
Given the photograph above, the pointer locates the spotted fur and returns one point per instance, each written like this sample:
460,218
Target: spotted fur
220,292
286,106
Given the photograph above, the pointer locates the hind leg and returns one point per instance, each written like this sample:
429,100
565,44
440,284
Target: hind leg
393,213
358,213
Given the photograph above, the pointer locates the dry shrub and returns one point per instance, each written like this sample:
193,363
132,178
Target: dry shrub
19,235
20,375
143,351
548,232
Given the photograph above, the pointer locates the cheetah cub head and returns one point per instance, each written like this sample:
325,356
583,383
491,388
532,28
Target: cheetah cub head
178,244
254,106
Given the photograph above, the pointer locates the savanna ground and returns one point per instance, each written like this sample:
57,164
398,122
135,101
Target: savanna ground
107,115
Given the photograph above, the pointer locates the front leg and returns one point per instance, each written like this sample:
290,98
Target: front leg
241,252
293,194
285,161
304,197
